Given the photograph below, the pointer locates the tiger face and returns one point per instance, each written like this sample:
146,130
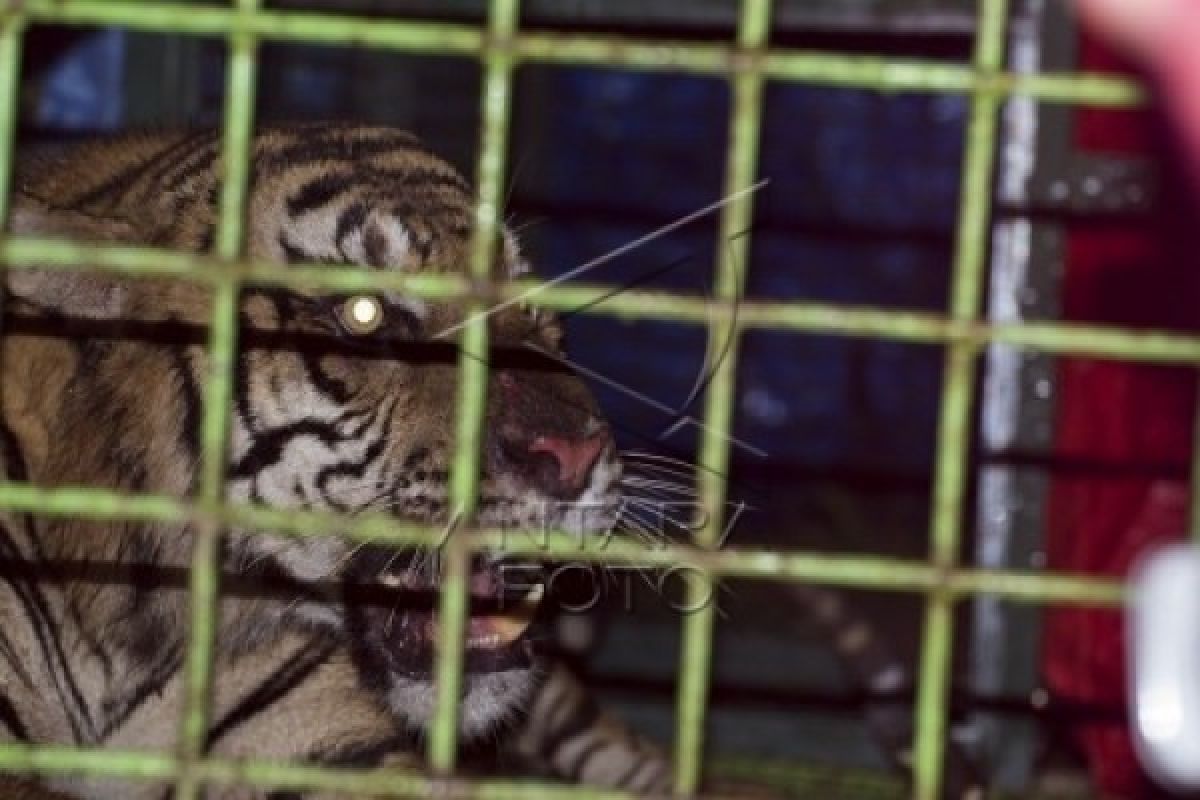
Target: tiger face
362,417
347,403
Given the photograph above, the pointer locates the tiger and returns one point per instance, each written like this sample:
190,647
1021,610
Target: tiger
341,403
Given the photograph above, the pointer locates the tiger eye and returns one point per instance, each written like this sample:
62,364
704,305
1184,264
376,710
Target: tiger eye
361,314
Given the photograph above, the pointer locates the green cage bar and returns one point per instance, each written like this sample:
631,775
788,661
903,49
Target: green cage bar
11,28
473,371
499,46
713,463
954,428
812,67
218,399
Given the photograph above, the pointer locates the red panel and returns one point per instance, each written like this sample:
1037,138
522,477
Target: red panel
1127,429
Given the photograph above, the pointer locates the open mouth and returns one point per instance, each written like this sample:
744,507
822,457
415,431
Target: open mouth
394,613
499,615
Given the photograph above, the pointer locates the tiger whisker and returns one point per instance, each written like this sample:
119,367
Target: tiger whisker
661,487
662,507
643,528
641,534
290,606
664,477
646,494
686,472
645,455
399,552
263,553
654,510
345,559
655,472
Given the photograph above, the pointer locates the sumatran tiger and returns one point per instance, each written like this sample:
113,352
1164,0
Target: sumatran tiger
340,403
324,647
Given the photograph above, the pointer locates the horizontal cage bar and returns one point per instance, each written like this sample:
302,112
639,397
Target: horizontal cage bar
867,573
911,326
845,70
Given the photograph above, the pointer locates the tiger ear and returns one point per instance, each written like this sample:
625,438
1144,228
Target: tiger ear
93,295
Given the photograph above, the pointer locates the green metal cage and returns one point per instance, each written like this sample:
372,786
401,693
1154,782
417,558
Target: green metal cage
747,63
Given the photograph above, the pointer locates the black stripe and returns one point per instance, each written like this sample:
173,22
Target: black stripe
175,174
425,177
189,396
9,652
332,387
286,679
119,711
351,218
241,397
31,598
321,190
126,179
95,645
13,456
653,774
449,216
363,419
574,769
581,720
291,253
267,447
638,761
338,147
11,721
37,614
365,754
324,188
208,238
347,470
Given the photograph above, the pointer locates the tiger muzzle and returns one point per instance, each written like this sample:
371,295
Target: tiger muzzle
393,612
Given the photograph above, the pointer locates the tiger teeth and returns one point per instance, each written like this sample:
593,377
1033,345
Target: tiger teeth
533,598
510,627
392,581
489,642
501,629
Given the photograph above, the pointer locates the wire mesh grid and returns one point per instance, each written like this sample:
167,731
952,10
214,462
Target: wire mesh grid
500,46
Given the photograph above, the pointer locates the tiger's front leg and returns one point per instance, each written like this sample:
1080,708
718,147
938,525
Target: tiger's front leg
565,733
295,699
303,701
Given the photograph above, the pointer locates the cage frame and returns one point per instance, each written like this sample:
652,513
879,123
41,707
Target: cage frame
747,62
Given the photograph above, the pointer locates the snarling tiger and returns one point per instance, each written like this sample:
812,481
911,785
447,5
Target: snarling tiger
340,403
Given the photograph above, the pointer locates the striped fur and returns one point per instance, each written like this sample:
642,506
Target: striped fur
323,647
573,737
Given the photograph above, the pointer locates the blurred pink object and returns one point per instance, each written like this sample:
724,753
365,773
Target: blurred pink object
1164,36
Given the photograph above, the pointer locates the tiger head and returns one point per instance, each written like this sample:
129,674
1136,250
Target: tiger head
348,403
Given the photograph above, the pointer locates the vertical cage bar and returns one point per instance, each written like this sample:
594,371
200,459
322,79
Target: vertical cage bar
954,428
733,251
12,26
967,284
503,16
218,393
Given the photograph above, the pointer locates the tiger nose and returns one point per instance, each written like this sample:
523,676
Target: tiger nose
574,458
